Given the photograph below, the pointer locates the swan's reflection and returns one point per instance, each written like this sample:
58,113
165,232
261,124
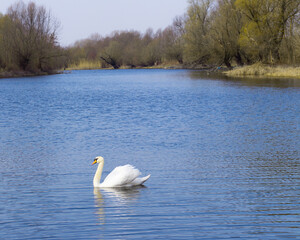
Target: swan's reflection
100,205
114,197
122,195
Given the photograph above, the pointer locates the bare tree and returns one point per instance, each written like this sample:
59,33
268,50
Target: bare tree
30,37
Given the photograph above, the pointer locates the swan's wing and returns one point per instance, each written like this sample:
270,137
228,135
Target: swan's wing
121,176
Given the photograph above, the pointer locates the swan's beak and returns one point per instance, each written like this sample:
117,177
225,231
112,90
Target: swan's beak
95,161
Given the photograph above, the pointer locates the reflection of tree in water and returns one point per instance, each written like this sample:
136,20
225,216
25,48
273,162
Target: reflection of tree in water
115,197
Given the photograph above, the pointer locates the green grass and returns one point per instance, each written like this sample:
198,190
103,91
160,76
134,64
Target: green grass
261,70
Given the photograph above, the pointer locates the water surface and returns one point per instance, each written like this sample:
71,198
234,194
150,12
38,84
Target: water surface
223,155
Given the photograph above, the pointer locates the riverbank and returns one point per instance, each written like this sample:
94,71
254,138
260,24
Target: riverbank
262,70
257,70
90,65
85,65
16,74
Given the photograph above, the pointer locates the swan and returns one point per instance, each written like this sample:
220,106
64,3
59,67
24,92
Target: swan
122,176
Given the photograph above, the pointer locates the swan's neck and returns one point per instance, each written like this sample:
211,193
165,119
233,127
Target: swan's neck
98,174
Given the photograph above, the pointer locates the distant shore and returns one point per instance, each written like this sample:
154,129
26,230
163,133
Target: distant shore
257,70
87,65
17,74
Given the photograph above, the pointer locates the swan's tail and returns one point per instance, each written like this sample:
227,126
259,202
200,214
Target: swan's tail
140,181
144,179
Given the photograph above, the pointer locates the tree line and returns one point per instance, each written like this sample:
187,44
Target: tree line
130,48
211,32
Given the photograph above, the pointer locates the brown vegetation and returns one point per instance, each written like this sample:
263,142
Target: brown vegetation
211,33
28,40
262,70
129,48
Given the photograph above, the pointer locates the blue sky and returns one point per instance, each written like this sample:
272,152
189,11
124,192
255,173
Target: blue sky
81,18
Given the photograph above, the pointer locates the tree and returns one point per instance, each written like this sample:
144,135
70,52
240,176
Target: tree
266,26
172,40
197,27
112,55
30,38
225,31
2,47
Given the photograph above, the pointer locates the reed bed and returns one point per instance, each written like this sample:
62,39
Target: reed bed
261,70
85,65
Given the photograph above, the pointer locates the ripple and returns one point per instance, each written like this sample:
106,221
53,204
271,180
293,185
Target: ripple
223,156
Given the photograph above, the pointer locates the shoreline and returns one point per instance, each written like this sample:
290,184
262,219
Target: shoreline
161,66
257,70
20,74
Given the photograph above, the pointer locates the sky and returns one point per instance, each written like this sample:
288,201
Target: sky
80,19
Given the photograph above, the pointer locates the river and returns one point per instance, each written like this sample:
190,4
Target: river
223,155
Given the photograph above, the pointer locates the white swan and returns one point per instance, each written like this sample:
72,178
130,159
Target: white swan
122,176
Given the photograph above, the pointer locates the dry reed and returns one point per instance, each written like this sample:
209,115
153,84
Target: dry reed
261,70
85,65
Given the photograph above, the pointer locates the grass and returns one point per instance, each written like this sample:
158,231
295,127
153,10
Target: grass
262,70
85,65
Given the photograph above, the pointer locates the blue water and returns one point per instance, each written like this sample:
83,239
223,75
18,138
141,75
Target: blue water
223,156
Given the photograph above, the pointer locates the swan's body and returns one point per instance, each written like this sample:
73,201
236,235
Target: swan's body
122,176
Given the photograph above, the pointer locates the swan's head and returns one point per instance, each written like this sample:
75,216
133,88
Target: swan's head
98,160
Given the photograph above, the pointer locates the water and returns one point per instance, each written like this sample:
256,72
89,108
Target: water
223,156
